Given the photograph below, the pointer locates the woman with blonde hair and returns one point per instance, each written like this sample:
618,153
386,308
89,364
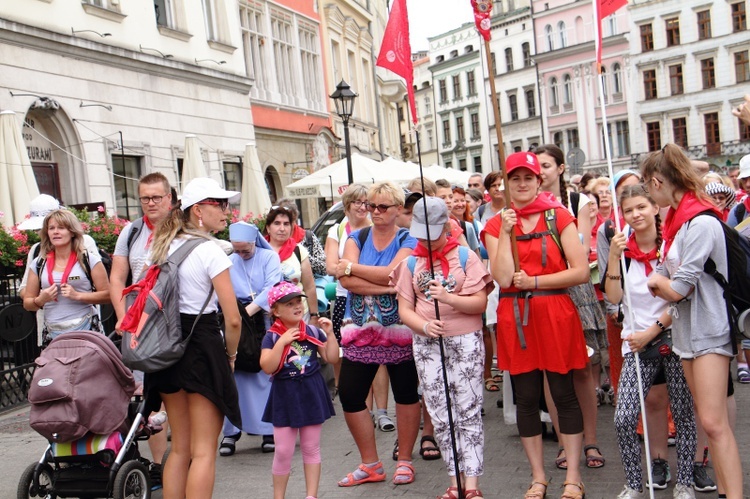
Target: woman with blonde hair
66,280
199,390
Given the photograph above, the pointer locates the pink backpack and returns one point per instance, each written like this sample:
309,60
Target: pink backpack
80,385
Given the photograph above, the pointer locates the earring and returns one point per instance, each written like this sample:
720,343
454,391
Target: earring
200,221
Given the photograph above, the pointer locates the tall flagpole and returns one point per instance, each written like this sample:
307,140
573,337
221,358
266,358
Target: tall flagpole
626,294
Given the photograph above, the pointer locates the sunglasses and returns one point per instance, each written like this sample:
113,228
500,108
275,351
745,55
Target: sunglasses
382,208
223,204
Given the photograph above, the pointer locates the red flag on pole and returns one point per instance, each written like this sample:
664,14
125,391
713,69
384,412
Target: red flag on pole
604,8
482,12
395,51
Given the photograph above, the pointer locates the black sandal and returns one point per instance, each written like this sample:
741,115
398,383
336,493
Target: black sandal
268,444
395,451
228,444
434,450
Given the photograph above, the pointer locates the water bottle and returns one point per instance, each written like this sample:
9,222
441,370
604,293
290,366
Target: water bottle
158,419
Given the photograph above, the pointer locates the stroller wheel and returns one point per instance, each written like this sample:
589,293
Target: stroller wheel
26,487
132,482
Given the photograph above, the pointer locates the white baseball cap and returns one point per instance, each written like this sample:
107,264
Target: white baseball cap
744,167
202,188
39,208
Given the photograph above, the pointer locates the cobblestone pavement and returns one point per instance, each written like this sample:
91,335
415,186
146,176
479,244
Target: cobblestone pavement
248,472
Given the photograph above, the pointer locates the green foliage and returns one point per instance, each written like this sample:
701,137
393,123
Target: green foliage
257,220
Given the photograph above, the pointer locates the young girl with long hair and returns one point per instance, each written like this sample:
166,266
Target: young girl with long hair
645,319
539,336
701,330
299,401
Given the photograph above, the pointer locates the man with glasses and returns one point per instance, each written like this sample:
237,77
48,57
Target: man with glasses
131,257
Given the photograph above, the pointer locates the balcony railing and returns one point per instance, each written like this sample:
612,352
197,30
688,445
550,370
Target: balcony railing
705,151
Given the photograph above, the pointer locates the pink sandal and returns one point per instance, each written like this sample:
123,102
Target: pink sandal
372,475
406,470
450,493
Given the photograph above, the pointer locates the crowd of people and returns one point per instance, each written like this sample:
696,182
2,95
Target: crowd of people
440,289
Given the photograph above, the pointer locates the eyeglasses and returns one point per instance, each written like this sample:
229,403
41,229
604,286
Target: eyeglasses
148,199
358,204
647,182
223,204
382,208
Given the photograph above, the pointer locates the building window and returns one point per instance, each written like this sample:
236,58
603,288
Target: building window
673,31
557,139
531,103
739,18
741,66
744,130
653,135
573,141
549,37
165,14
554,96
513,103
232,176
462,164
509,59
707,72
526,51
400,113
617,77
126,171
284,53
649,84
605,89
446,132
104,4
713,139
430,139
427,106
475,133
460,135
477,163
679,132
212,24
443,91
623,138
456,87
675,79
567,91
253,39
563,34
449,164
471,83
309,53
647,38
704,24
494,64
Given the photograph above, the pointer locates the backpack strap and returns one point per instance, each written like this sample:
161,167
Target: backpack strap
480,211
740,212
135,229
463,257
362,236
462,223
574,199
298,254
87,269
309,235
609,230
411,262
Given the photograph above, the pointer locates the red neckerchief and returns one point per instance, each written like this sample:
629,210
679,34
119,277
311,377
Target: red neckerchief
151,228
543,202
132,319
690,206
438,255
298,234
286,249
72,259
279,328
633,252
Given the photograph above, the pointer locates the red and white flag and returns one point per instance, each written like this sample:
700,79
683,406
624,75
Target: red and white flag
395,50
482,13
604,8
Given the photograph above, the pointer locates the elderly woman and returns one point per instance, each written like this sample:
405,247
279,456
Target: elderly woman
372,335
255,269
295,260
66,280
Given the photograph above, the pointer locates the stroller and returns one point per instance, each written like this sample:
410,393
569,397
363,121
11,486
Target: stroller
81,401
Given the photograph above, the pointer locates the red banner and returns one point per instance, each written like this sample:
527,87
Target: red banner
482,12
395,50
604,8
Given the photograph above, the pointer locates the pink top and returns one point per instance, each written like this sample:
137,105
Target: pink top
475,279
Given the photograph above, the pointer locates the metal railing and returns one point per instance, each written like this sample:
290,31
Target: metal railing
730,149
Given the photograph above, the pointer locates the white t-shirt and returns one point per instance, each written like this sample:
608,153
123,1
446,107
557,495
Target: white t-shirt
88,243
65,309
203,264
139,258
647,308
291,268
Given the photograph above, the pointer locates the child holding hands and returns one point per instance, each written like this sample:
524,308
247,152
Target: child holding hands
460,285
299,399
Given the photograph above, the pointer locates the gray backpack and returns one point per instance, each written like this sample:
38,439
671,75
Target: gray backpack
157,342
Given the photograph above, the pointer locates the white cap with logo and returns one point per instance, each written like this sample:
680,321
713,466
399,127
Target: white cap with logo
202,188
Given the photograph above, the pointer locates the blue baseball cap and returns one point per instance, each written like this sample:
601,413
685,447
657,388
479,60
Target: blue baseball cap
621,175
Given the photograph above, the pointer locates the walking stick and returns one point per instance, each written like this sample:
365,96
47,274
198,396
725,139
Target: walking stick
451,425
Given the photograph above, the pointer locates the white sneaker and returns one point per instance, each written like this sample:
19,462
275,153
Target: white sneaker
683,492
628,493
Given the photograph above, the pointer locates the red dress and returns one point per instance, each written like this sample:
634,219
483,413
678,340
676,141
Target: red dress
554,335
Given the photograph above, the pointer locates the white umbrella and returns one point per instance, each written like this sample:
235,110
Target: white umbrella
17,182
192,163
455,177
255,198
334,176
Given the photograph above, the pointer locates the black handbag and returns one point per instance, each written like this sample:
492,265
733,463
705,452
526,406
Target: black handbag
251,337
661,346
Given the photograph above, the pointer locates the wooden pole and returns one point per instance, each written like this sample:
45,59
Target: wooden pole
501,147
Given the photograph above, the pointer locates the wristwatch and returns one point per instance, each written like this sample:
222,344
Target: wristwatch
348,270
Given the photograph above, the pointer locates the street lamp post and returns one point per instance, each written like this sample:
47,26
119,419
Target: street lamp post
344,97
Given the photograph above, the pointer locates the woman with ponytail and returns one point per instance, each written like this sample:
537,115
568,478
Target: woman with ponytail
646,325
701,331
199,390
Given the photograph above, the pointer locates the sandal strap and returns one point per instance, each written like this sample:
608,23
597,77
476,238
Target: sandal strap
473,493
536,494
